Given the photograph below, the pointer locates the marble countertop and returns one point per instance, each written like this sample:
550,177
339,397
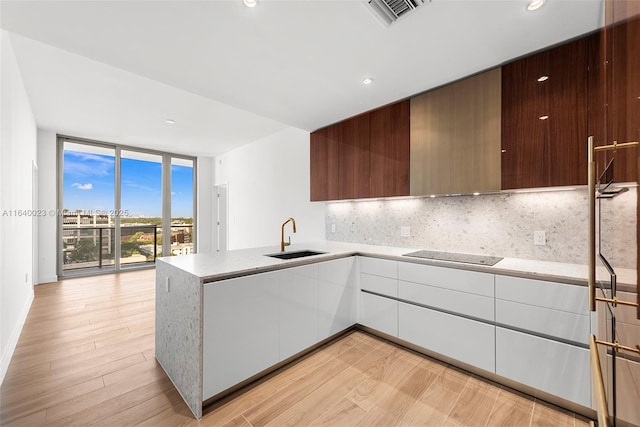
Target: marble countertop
211,267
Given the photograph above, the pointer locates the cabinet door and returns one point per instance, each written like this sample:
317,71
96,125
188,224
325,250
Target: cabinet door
324,155
551,366
240,330
336,297
544,118
389,150
379,313
618,86
319,165
353,162
465,340
298,290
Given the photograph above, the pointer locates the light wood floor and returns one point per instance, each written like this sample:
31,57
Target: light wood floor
86,357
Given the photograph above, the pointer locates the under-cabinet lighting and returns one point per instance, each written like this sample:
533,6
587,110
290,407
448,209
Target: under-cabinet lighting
535,5
367,81
543,78
476,194
432,196
543,117
542,189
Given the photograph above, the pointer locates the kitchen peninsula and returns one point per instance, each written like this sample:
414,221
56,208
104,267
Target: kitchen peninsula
225,319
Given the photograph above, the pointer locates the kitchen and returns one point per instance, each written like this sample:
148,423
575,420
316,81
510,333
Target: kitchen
281,162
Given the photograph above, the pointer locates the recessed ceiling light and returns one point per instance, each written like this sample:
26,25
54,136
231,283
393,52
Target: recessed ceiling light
543,78
535,5
250,3
171,122
543,117
367,81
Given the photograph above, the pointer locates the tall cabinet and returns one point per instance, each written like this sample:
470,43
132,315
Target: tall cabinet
544,117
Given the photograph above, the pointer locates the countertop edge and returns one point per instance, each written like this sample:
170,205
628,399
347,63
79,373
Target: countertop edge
334,254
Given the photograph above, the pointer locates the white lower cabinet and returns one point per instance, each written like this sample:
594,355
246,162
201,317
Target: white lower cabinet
463,339
551,366
379,313
240,330
336,297
253,322
298,309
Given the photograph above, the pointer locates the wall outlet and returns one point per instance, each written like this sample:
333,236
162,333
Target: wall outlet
539,238
405,231
333,228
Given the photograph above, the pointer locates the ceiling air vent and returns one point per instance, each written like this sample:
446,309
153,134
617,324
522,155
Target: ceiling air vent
388,11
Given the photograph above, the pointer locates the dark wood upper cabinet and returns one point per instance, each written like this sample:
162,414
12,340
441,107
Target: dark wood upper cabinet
364,156
622,76
544,118
549,103
353,163
389,150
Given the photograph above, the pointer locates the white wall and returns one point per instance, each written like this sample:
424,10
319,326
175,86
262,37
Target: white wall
268,182
17,156
204,216
47,237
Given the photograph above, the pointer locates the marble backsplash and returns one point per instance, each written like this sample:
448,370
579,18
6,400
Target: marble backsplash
499,224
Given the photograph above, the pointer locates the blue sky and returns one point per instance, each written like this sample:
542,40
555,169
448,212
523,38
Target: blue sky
89,184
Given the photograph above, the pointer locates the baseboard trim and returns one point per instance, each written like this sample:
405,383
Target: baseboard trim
49,279
13,341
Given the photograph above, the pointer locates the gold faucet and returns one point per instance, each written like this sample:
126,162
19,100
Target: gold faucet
282,242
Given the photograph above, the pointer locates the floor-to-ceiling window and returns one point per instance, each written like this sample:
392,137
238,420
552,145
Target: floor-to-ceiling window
141,204
182,236
116,203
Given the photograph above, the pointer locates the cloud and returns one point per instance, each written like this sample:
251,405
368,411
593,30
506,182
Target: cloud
87,186
85,164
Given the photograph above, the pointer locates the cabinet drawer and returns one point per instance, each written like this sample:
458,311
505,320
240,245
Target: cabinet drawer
378,284
557,368
448,278
458,302
556,323
558,296
462,339
379,313
379,267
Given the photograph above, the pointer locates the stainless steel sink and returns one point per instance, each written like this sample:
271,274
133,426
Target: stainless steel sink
296,254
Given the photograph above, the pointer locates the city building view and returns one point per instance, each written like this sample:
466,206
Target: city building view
89,239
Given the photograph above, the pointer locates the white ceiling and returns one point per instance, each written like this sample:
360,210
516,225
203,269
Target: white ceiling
228,75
